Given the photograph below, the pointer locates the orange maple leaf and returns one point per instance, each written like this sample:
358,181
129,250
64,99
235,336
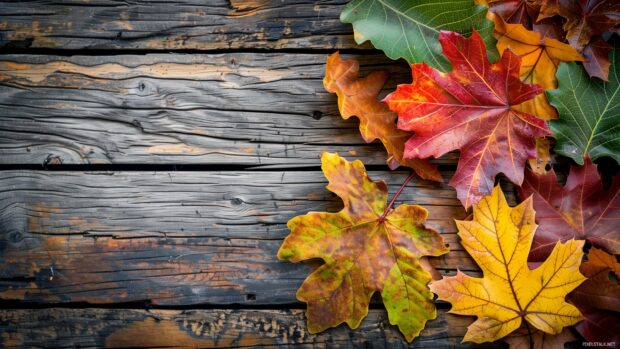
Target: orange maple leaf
540,57
358,96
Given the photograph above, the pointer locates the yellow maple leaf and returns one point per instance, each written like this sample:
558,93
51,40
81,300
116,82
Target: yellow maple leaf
499,239
540,57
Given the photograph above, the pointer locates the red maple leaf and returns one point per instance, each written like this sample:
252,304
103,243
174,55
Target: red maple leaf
472,108
581,209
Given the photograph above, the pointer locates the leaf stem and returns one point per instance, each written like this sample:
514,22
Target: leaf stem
529,334
388,208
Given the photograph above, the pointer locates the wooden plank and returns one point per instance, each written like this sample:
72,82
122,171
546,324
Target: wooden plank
238,109
194,328
173,25
174,238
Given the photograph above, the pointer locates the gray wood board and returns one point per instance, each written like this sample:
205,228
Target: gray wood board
175,25
252,109
175,238
195,328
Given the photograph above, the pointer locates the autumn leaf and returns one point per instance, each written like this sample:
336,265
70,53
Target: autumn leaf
409,29
520,339
540,57
597,62
473,108
598,298
499,239
363,252
584,18
586,21
358,96
599,291
526,13
581,209
543,156
589,112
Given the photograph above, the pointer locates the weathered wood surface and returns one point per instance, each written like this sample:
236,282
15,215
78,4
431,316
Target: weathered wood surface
173,25
125,328
174,238
254,109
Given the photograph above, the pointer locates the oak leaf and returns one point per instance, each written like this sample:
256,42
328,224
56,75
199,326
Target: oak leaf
474,108
358,96
598,298
540,57
581,209
499,239
364,253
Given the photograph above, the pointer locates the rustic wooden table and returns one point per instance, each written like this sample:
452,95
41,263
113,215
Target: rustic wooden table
152,153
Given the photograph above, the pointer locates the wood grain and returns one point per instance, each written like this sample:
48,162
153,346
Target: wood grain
174,238
174,25
227,109
195,328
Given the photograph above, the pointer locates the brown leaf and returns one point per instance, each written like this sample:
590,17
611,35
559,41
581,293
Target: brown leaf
596,54
358,96
581,209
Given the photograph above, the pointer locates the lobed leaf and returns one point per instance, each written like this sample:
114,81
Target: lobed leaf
499,240
540,57
581,209
409,29
589,123
474,108
598,298
358,96
363,254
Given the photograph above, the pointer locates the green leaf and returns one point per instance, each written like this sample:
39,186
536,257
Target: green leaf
409,29
589,109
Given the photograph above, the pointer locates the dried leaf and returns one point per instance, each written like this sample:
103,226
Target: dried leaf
473,108
540,57
520,339
499,240
526,13
598,298
600,325
584,18
409,29
543,156
589,113
581,209
363,254
597,62
358,96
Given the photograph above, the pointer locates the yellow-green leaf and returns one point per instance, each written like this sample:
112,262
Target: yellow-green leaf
363,254
499,240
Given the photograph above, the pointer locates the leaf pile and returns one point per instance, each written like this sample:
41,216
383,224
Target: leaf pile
556,84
